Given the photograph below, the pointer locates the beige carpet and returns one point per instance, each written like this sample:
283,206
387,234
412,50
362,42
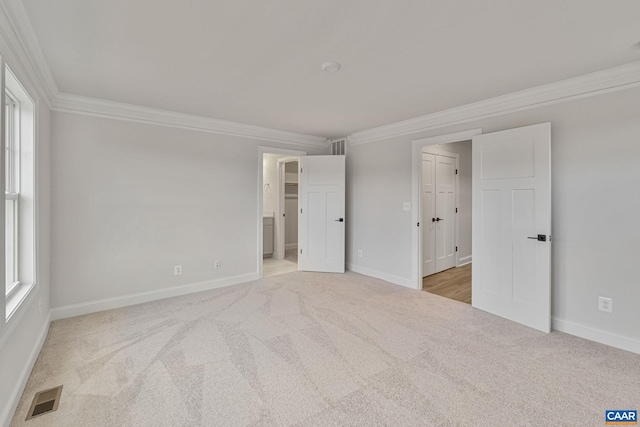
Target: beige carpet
314,349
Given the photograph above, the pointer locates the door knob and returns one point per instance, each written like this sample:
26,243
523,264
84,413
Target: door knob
433,220
340,220
439,219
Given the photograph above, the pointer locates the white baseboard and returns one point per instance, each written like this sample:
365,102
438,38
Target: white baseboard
289,246
14,399
597,335
380,275
142,297
464,260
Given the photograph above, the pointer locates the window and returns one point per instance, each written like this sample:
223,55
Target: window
12,193
18,148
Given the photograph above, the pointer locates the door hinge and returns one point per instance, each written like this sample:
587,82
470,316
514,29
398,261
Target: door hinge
456,249
456,210
300,170
418,224
300,210
300,251
456,171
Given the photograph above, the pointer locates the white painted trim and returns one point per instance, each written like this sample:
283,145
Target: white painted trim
261,151
397,280
416,214
73,310
597,335
10,408
27,57
290,246
94,107
613,79
465,260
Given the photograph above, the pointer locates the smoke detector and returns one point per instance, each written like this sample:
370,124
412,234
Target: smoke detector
331,66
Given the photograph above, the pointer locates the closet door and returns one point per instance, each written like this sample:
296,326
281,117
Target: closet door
445,224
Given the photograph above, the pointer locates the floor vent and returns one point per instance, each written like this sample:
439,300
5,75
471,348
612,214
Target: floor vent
44,402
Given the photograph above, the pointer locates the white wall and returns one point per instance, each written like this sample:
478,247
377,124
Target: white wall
22,337
596,201
133,200
463,149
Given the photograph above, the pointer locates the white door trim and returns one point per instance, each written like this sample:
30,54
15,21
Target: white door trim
261,151
416,172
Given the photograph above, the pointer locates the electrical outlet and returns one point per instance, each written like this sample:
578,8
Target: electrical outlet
177,270
359,253
217,264
605,304
406,206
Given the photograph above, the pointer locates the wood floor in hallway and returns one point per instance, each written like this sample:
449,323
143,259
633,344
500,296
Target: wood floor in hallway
454,283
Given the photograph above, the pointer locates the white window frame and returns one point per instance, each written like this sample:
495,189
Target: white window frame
12,187
24,190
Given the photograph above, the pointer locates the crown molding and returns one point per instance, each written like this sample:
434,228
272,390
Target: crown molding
76,104
613,79
26,57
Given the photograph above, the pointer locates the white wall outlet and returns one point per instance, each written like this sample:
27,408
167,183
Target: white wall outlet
359,253
406,206
605,304
177,270
217,264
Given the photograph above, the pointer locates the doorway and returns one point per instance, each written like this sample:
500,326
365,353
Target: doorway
446,208
277,215
280,219
444,214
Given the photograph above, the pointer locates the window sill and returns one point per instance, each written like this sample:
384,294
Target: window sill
18,296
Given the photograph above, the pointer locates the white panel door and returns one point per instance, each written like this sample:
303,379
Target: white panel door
321,230
445,213
512,225
428,188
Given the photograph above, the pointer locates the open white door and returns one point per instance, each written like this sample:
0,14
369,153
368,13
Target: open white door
511,274
321,199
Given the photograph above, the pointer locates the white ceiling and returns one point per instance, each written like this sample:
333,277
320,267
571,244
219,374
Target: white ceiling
258,62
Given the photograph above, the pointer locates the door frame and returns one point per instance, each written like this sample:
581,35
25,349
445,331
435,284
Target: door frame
416,199
440,152
262,150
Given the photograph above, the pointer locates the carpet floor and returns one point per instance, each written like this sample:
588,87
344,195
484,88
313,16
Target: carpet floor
314,349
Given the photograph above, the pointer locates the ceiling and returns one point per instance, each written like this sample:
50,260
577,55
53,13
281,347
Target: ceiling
258,62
